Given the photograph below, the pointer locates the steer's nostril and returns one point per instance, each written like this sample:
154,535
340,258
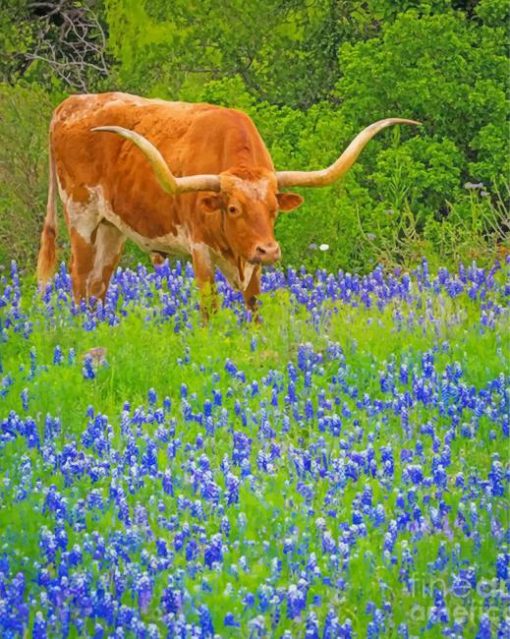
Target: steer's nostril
267,253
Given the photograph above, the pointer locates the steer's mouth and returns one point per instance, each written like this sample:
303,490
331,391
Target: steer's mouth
267,253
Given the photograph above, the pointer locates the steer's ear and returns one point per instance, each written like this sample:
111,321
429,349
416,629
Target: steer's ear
289,201
211,203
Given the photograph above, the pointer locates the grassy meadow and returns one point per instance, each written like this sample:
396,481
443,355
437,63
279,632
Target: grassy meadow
336,470
339,469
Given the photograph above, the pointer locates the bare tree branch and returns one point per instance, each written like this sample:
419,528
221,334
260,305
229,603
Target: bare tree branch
69,40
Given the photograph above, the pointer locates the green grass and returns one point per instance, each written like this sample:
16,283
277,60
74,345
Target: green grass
143,354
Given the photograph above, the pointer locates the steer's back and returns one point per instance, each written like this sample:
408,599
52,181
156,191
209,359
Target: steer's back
193,139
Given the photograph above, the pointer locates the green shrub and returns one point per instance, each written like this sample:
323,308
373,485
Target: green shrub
405,196
25,114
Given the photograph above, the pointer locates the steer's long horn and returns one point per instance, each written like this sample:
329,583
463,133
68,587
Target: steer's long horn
165,177
343,164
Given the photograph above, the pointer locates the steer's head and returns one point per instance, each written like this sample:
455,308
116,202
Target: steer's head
249,199
249,202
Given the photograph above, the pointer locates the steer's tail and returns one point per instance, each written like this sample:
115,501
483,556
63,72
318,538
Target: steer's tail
47,253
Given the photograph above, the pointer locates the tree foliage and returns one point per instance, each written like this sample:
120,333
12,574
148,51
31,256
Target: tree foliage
285,52
54,42
311,74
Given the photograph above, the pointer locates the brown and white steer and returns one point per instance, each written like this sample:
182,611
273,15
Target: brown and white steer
176,178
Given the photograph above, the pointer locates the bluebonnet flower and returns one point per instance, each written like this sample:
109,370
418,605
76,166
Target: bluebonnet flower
415,473
213,551
58,356
503,629
162,510
40,627
172,600
144,591
496,477
438,612
98,632
502,566
206,624
24,398
230,621
312,627
167,483
232,485
484,629
88,368
296,601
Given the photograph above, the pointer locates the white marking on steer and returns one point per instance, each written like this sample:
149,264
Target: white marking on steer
248,272
107,244
255,190
168,243
93,103
85,219
122,98
231,271
204,251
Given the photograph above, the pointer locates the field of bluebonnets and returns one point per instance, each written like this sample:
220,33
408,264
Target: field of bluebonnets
338,470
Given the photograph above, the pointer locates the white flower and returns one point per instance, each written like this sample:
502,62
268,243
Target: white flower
324,247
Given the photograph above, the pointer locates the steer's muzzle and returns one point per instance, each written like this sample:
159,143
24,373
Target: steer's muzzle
266,253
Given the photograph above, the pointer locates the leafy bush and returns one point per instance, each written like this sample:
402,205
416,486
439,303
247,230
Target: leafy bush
25,115
406,180
443,70
442,62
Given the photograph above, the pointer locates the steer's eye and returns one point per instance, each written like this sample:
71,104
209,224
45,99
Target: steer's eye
232,209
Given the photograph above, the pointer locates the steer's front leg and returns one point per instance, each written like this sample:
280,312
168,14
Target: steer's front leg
204,273
251,292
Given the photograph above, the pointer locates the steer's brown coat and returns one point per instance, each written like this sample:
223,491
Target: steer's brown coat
193,139
137,168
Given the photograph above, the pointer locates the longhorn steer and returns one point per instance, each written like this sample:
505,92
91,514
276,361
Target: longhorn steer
203,185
